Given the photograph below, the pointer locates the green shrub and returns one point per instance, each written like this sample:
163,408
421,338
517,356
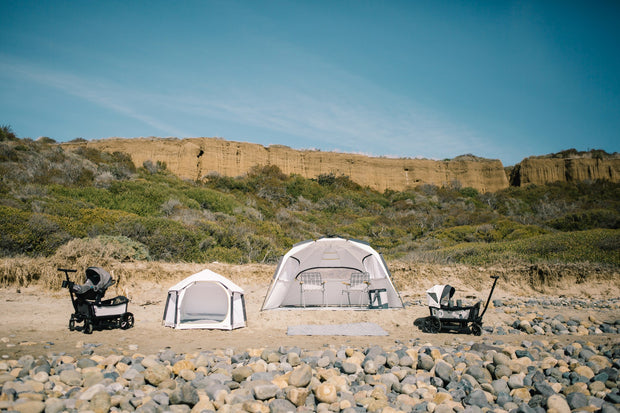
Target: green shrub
33,234
212,200
7,134
580,246
590,219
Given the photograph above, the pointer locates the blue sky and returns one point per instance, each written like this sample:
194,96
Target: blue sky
433,79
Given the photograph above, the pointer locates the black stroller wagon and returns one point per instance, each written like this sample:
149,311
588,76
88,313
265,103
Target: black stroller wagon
89,307
446,316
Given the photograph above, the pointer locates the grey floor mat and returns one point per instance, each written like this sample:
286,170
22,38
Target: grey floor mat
354,329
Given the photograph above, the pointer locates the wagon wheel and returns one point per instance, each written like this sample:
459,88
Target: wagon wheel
72,324
127,321
433,325
476,329
88,327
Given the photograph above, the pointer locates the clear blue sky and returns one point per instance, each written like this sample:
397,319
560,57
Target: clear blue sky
434,79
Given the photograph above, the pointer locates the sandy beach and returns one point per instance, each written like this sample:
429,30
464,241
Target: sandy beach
35,320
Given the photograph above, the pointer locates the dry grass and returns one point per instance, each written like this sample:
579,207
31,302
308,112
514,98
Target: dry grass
517,279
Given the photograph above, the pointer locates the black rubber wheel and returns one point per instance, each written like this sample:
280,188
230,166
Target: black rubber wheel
433,325
476,329
88,327
72,324
127,321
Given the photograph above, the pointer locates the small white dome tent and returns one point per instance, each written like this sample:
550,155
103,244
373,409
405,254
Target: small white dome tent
334,260
205,300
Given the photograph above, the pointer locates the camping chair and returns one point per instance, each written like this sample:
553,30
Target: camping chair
309,282
358,284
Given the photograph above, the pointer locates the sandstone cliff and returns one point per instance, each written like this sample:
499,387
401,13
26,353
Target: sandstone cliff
574,168
195,158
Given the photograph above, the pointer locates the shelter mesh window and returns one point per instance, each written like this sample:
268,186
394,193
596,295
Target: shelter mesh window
204,302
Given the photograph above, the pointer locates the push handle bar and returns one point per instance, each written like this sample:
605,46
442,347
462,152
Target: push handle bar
66,283
495,278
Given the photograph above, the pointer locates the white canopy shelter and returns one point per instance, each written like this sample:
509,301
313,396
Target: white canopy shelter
205,300
336,263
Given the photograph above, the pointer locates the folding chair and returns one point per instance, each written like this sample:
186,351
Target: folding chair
311,282
358,284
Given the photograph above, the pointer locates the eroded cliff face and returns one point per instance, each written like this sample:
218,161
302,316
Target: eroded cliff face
195,158
542,170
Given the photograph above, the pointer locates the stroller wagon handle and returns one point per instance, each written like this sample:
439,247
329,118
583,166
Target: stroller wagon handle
67,281
495,278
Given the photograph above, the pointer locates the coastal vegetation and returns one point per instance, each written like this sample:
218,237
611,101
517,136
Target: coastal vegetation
50,197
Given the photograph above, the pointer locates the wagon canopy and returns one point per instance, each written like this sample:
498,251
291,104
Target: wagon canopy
334,261
439,295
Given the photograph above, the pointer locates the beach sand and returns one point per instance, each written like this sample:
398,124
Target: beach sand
35,321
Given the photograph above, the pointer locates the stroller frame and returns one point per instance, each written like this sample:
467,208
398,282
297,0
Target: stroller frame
466,319
95,313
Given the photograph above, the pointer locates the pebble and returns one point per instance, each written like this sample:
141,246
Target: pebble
540,374
533,376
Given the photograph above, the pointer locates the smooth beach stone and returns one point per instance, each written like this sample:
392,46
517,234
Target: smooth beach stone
265,391
297,395
215,390
323,362
501,358
281,406
91,391
598,363
392,359
405,361
425,362
86,362
156,374
101,402
500,386
584,371
300,376
521,393
544,388
370,367
28,406
183,365
241,373
479,373
443,370
54,405
185,394
240,395
326,393
502,370
477,398
175,408
92,377
293,359
576,400
515,381
41,377
558,404
348,368
71,377
150,361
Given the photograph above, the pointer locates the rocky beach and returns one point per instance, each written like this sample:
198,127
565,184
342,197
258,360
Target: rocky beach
556,352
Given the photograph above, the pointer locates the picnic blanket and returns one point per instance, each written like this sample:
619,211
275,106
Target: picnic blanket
352,329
